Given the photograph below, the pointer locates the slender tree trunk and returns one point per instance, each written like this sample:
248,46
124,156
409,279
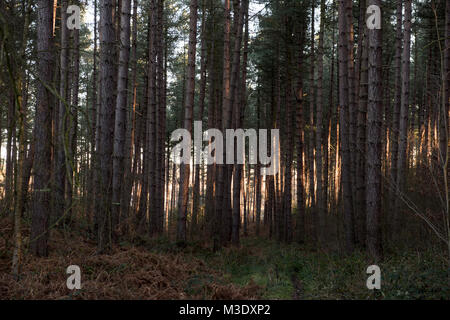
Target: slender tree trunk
107,104
161,115
152,105
239,106
290,117
403,129
130,146
121,116
94,111
321,206
211,168
226,96
397,99
373,169
41,193
189,105
203,64
311,166
445,123
344,128
73,180
300,223
257,172
62,134
361,142
22,101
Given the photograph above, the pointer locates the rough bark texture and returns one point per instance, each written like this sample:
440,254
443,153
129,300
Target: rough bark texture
373,169
41,192
397,96
189,105
62,134
107,105
121,115
403,125
344,132
299,130
319,125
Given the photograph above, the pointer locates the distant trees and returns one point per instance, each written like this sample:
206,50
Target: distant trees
87,116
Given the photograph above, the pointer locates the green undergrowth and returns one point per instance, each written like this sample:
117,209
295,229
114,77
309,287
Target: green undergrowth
298,272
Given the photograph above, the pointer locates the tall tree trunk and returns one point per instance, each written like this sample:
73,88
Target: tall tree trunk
62,134
344,128
21,101
373,169
321,206
403,129
239,105
121,116
397,98
211,168
189,105
226,96
131,132
41,193
361,139
257,171
351,124
73,181
107,104
9,179
311,166
445,122
201,105
161,114
93,118
287,194
300,223
152,106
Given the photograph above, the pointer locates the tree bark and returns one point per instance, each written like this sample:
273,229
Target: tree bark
189,105
41,193
121,116
373,169
344,128
61,133
403,125
107,104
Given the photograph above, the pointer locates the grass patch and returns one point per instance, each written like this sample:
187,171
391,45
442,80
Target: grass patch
293,271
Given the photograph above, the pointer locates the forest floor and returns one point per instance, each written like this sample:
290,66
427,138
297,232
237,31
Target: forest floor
259,269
